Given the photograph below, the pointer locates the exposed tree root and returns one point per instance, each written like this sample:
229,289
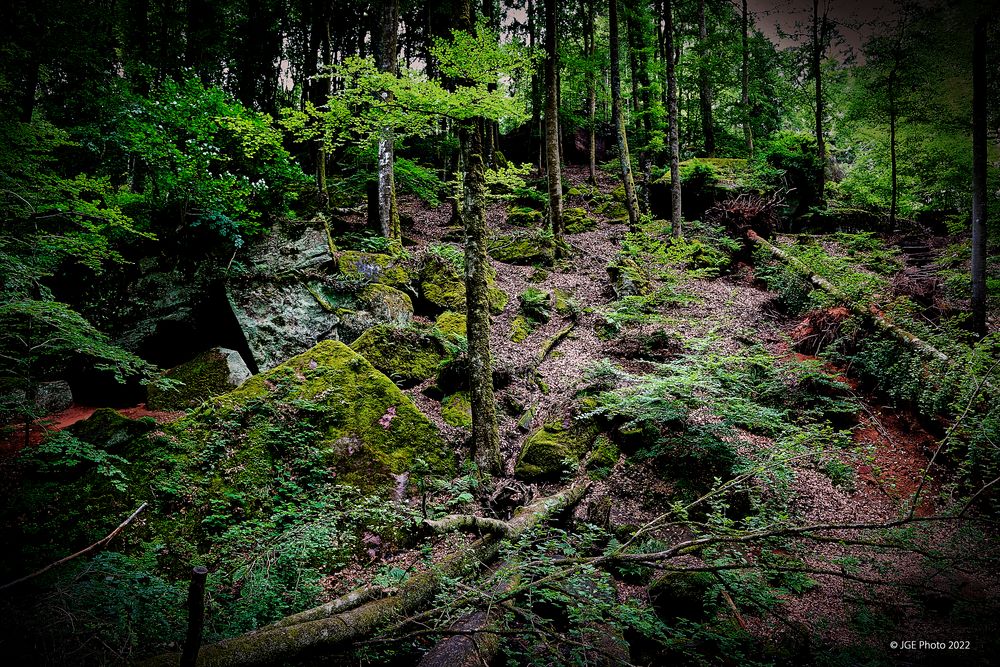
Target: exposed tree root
281,642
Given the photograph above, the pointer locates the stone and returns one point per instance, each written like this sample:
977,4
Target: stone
525,250
553,450
211,373
406,355
54,396
628,278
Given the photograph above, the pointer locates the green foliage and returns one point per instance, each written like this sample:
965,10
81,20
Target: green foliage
418,180
206,160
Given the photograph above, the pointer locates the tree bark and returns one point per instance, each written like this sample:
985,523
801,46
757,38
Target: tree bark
639,63
674,120
553,167
485,432
281,644
979,164
818,39
705,83
387,213
745,75
591,49
631,202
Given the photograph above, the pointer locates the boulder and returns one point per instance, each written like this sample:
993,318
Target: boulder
211,373
553,450
457,410
370,266
442,287
53,396
576,221
522,249
406,355
628,278
522,216
451,323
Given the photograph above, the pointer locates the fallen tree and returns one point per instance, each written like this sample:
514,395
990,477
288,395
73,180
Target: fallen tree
880,319
333,627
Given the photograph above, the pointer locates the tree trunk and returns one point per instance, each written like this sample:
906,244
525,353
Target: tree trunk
631,202
818,37
387,213
553,167
673,119
979,163
591,95
639,63
536,114
485,433
704,83
745,74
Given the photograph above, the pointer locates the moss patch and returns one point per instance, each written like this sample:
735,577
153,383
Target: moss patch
576,220
457,410
553,450
441,285
520,329
451,323
603,458
525,250
522,216
405,355
628,278
564,303
384,268
205,376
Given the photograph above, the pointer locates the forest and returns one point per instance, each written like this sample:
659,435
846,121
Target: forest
499,332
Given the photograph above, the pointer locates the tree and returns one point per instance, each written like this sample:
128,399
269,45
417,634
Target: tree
553,165
673,118
590,48
820,34
387,213
745,78
979,164
705,83
631,201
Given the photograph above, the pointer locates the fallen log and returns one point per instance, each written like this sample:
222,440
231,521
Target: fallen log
468,523
278,644
878,317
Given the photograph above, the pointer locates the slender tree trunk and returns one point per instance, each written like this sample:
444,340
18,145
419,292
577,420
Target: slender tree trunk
818,36
639,63
745,72
979,193
552,166
705,83
631,202
894,195
485,432
591,94
536,115
387,213
673,119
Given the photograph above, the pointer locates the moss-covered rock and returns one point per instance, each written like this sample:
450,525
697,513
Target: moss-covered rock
375,304
457,410
363,429
553,450
536,305
576,220
628,278
380,267
520,329
211,373
406,355
451,323
440,284
603,457
497,298
109,429
564,303
525,250
522,216
615,211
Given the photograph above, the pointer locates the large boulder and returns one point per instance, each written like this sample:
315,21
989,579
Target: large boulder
211,373
442,287
408,356
522,249
53,396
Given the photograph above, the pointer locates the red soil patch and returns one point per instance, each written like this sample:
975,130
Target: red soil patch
901,452
12,437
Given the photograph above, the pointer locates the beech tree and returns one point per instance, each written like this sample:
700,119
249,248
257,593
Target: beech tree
553,161
631,201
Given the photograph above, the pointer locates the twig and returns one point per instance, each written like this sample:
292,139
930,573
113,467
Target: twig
96,546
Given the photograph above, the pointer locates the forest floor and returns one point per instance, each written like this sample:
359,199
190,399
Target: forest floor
890,451
891,447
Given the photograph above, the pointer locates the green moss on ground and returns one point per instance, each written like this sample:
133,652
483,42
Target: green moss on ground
553,450
521,328
577,220
408,356
457,410
603,458
628,278
564,303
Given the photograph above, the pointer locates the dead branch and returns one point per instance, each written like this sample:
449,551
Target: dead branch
96,546
467,522
283,643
